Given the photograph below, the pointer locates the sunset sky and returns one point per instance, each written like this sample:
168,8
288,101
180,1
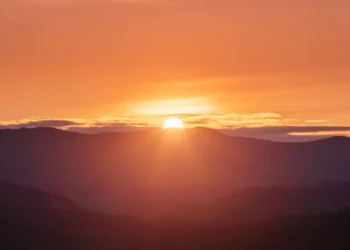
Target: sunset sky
275,69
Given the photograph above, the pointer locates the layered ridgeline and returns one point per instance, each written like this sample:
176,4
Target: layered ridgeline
31,220
156,172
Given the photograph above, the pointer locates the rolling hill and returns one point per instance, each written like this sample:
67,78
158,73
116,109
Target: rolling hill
153,172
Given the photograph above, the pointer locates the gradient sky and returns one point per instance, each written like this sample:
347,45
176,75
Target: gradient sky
219,63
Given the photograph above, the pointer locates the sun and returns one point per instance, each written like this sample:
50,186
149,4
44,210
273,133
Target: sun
173,123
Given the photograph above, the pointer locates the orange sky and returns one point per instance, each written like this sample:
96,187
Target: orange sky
78,59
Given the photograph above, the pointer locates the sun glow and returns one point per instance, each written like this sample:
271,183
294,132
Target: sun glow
173,123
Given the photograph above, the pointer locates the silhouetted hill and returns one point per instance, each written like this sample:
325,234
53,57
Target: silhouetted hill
18,196
157,171
33,219
265,203
41,228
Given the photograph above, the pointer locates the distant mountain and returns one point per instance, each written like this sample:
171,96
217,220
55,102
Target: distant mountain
43,227
266,203
27,197
154,172
33,219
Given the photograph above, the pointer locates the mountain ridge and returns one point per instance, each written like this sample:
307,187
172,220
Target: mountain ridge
131,171
197,130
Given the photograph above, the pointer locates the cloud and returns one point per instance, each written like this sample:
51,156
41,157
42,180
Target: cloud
270,130
270,126
104,129
289,133
233,120
38,123
315,121
90,126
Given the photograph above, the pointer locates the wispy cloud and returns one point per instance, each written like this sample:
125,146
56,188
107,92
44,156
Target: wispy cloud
276,130
315,121
290,133
270,126
121,127
38,123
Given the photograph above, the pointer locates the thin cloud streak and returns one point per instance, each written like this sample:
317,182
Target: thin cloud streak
270,126
289,133
38,123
